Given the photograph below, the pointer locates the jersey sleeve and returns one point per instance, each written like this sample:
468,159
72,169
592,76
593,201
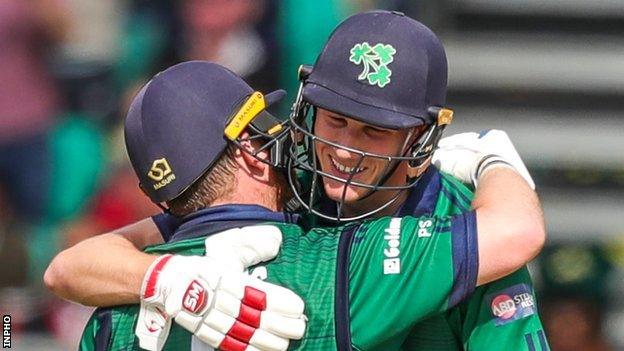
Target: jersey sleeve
112,328
88,341
403,270
504,313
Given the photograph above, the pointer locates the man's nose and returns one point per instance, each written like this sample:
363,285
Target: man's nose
351,137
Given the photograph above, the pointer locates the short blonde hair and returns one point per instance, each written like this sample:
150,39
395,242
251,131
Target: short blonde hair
219,180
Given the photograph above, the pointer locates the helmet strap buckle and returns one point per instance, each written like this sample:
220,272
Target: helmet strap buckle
415,171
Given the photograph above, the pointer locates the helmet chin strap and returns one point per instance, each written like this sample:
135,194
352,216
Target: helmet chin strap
417,171
424,144
412,171
384,178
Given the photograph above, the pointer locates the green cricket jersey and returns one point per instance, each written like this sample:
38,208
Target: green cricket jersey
501,315
498,316
365,284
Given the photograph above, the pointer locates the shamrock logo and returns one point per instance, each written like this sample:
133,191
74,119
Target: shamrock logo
375,60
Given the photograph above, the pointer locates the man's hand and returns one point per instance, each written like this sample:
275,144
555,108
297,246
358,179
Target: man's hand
467,155
214,299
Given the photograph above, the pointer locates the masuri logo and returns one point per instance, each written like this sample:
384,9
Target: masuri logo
161,173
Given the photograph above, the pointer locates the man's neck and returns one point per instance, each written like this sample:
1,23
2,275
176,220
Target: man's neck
380,198
252,194
375,201
246,200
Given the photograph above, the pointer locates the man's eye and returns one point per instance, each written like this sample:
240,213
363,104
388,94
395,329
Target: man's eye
337,121
375,131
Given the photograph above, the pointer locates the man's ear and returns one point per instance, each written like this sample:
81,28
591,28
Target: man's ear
246,158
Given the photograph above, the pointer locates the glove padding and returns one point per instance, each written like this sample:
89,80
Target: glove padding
213,298
153,327
467,155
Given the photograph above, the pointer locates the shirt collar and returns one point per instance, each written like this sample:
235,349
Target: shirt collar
424,196
218,218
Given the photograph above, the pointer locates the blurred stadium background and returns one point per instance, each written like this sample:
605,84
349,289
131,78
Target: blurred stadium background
550,73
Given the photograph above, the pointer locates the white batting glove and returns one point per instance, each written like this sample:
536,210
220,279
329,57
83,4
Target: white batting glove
466,156
152,327
212,298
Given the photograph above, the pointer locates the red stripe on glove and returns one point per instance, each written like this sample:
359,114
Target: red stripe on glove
254,298
231,344
150,287
242,332
249,316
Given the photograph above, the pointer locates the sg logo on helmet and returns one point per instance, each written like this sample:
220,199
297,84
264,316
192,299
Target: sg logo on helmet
161,173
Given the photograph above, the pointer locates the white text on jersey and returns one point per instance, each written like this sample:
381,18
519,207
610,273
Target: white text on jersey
392,263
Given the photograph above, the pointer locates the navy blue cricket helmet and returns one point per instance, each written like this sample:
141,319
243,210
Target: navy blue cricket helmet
381,68
182,120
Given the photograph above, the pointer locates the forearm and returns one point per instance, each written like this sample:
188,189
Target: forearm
509,219
101,271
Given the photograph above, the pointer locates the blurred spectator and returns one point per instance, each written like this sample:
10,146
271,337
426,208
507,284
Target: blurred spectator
28,100
96,30
235,33
29,105
574,324
575,296
223,31
84,63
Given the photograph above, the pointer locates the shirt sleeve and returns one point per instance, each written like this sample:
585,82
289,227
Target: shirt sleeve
465,256
96,335
403,270
167,224
504,313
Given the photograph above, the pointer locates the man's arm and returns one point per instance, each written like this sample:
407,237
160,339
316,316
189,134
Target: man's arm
510,223
504,313
396,257
107,269
210,296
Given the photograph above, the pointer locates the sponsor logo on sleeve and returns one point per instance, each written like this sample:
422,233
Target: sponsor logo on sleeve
392,262
513,303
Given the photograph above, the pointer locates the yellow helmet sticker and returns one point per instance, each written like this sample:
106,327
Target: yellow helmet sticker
250,109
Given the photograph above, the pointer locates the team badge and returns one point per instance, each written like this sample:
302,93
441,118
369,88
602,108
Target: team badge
375,60
513,303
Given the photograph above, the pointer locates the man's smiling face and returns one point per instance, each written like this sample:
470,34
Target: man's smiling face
343,164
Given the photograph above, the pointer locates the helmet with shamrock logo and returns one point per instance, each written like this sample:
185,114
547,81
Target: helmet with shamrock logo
383,69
